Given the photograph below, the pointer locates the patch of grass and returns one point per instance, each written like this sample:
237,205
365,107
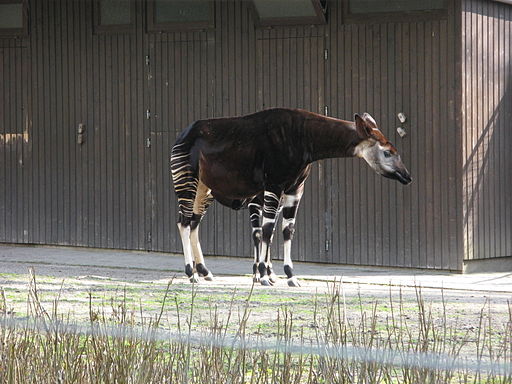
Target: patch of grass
53,355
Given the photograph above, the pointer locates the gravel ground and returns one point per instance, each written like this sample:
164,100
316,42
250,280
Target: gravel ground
105,278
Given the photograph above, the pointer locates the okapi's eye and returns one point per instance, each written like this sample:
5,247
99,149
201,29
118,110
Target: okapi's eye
387,154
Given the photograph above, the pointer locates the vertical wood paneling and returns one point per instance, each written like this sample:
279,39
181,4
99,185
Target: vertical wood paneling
386,69
416,58
75,194
178,63
14,140
39,136
485,135
112,191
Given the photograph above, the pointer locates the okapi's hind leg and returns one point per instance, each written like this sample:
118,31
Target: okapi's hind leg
291,202
202,201
184,226
185,185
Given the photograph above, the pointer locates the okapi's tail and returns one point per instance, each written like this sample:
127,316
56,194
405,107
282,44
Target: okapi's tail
184,179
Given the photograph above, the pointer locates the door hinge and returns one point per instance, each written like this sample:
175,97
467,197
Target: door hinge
148,237
148,142
148,114
326,110
326,54
326,245
147,59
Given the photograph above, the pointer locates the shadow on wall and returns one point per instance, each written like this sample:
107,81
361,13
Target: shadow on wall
487,140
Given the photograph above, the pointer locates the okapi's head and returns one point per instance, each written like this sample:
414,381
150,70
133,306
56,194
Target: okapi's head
378,152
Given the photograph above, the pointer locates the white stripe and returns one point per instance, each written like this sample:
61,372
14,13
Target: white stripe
271,195
270,210
290,200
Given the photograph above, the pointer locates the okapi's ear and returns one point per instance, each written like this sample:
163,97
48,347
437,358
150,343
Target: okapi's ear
362,128
370,121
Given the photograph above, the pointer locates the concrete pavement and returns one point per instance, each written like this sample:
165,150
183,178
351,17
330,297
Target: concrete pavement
139,265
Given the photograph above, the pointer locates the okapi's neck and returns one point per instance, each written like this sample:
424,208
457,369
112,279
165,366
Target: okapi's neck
331,138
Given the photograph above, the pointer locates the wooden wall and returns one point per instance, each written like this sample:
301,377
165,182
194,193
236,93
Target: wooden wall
388,68
487,136
15,184
115,192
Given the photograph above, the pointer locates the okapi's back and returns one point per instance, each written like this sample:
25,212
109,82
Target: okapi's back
249,128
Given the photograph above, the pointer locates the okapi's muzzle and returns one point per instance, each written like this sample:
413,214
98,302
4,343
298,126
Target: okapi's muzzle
401,176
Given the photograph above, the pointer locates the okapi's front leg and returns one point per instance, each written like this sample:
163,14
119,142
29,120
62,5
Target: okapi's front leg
271,202
290,206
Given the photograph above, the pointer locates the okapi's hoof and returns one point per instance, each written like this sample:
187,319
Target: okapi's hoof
202,270
293,282
273,278
266,281
209,277
194,279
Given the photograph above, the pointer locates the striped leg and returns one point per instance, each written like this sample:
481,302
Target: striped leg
268,259
201,203
271,202
290,206
255,210
185,185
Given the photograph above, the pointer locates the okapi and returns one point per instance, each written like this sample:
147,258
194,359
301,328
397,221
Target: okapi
261,161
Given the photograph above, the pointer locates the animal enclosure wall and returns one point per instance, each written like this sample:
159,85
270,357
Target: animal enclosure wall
387,68
135,91
487,137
